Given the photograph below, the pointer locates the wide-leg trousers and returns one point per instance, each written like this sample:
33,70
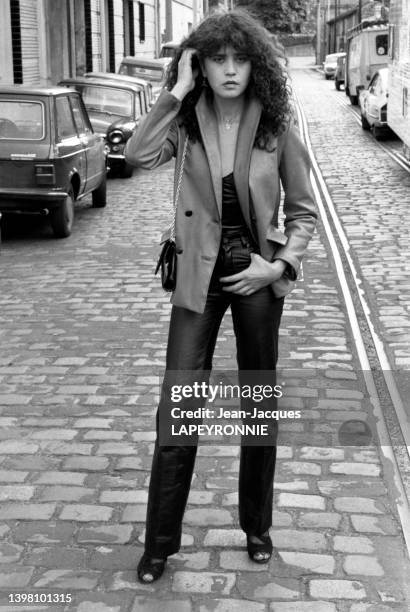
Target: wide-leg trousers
191,343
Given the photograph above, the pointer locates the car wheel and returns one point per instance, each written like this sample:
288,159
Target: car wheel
365,123
127,170
353,100
337,84
378,132
99,195
327,77
62,218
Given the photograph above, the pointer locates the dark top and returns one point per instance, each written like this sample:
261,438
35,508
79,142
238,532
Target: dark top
232,217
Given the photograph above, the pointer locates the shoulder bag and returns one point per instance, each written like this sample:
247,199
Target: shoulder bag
167,261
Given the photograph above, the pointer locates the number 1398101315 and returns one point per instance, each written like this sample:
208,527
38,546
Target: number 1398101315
40,598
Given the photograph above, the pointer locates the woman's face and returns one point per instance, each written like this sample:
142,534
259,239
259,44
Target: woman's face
228,72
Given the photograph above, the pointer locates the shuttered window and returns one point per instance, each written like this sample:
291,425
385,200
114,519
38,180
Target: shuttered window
141,15
129,29
30,41
16,41
96,35
111,36
132,29
88,37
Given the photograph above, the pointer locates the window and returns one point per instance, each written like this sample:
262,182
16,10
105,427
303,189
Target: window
138,106
105,100
80,119
88,37
65,124
22,120
16,41
381,44
372,86
129,31
141,15
111,36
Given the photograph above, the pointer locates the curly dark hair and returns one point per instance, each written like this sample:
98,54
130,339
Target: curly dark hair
268,78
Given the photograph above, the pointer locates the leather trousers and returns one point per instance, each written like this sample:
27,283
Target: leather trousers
191,343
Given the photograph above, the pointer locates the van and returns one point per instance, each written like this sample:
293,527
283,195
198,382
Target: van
367,46
398,108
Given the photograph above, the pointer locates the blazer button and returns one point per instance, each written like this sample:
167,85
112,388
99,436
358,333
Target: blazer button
179,251
188,213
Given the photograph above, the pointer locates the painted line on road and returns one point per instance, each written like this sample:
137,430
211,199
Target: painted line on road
379,345
320,188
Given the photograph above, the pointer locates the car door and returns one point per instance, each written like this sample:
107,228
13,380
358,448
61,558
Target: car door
71,158
92,143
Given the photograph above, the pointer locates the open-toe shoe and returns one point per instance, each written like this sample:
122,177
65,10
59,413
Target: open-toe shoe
150,569
257,549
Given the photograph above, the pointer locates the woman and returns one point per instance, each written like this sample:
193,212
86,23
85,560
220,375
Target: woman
227,100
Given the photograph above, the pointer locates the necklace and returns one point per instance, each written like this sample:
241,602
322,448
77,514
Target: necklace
229,122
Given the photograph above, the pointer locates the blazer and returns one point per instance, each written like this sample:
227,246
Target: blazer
257,175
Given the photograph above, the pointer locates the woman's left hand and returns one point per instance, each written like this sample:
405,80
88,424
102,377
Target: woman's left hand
258,274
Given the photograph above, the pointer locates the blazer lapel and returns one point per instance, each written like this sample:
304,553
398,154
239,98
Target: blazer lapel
209,130
246,137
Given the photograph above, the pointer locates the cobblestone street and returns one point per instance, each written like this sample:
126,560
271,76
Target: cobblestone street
83,330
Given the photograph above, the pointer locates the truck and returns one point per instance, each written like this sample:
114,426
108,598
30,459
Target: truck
398,106
367,51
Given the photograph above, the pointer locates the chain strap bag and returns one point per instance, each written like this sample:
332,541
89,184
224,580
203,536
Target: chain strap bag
167,260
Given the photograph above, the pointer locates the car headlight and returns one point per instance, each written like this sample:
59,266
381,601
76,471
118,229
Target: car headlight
115,137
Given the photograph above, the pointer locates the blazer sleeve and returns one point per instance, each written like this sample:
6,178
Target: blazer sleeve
155,140
299,203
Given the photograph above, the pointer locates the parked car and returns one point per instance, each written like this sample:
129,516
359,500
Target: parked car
115,108
49,154
111,76
330,65
340,71
373,105
169,49
152,70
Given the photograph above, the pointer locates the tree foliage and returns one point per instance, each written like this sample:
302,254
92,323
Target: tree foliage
277,15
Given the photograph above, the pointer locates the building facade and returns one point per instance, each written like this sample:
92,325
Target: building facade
44,41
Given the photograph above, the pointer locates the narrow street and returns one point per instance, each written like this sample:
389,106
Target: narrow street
83,330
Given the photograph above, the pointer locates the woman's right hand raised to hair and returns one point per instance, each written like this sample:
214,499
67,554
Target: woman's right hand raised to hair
186,76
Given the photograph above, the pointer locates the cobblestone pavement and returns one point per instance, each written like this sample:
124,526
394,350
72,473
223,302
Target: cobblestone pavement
360,174
83,332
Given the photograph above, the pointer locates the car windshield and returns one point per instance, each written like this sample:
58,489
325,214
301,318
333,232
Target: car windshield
150,73
21,120
331,59
106,100
168,51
